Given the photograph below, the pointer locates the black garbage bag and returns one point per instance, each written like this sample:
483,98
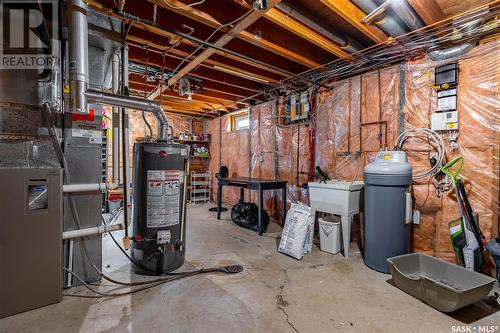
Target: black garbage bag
245,214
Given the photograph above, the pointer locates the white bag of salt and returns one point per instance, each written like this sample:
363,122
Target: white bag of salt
297,228
308,243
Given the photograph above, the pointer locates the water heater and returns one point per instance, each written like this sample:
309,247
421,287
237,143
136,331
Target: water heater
159,206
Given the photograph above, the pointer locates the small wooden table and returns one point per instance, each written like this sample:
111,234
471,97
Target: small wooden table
257,184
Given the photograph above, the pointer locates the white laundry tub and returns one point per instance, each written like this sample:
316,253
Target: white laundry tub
338,198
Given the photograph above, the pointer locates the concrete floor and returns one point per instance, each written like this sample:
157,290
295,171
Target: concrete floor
274,293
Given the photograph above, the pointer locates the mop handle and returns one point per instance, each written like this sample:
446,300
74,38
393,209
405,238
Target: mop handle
453,173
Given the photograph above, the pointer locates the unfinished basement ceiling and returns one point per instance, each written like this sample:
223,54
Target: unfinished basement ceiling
323,16
455,7
289,38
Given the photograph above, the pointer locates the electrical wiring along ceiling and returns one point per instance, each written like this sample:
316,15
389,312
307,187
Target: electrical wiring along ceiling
286,55
400,48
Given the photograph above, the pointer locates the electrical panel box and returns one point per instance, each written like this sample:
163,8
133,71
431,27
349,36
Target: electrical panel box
297,108
444,121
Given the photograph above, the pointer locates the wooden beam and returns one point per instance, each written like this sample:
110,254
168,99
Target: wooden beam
201,97
279,50
168,35
214,91
211,92
352,14
174,99
428,10
168,106
222,86
229,80
240,26
188,11
159,32
213,105
302,30
209,20
177,54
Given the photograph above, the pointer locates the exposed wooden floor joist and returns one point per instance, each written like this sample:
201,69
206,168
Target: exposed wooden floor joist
207,19
303,31
235,30
428,10
352,14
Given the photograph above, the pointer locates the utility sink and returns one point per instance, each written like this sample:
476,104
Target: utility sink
339,196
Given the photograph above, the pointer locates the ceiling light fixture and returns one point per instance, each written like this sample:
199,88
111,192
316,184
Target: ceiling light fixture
257,34
260,4
241,74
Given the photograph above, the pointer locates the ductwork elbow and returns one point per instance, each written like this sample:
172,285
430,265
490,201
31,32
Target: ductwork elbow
451,52
132,103
162,122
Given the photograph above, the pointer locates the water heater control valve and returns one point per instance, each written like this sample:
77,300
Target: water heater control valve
163,237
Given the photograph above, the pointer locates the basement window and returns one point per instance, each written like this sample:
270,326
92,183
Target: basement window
242,122
238,121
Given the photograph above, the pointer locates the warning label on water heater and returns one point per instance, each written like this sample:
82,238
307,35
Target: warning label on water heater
163,198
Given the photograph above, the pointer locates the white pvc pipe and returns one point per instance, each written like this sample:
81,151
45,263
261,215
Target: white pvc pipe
93,187
91,231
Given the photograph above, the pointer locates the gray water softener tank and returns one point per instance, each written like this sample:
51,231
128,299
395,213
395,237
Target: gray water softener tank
386,223
159,206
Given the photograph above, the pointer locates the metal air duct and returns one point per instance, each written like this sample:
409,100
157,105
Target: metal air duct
457,50
450,52
407,14
131,103
78,56
388,24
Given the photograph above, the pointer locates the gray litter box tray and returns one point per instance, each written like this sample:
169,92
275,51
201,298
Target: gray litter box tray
444,286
